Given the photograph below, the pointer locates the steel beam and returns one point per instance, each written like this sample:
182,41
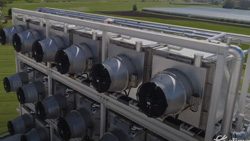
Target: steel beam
216,90
200,45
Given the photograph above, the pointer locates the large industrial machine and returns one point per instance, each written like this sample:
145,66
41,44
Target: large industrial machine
97,78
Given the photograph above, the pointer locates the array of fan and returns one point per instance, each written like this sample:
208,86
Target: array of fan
163,80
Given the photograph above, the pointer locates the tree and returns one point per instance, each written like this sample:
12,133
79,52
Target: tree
244,4
10,13
3,3
134,7
229,4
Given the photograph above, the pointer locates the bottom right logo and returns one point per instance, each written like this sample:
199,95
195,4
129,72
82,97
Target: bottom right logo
224,138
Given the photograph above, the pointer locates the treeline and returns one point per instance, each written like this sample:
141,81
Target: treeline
240,4
4,2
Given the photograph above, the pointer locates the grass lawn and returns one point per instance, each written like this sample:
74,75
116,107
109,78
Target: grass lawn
8,101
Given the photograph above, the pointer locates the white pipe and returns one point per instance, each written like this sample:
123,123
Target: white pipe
103,120
198,59
233,88
217,36
246,51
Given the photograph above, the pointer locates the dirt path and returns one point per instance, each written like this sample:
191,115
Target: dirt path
168,17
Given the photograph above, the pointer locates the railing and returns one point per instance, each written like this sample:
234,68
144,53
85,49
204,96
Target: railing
184,31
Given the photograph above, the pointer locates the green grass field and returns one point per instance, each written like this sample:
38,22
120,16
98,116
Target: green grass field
8,102
94,6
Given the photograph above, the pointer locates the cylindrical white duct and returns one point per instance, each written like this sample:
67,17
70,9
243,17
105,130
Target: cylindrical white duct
113,74
51,107
75,124
13,82
21,124
165,94
23,41
6,34
30,93
73,59
45,50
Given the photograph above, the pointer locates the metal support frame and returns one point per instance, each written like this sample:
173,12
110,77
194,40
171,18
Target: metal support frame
51,132
17,65
18,70
105,40
154,125
218,78
244,92
50,85
103,119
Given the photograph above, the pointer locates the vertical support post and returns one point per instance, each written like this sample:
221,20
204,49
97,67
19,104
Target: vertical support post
216,90
51,132
17,63
18,70
41,22
24,18
105,41
50,85
65,29
48,24
243,94
13,18
103,119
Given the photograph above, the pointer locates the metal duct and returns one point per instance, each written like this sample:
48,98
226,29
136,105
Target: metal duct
45,50
39,134
21,124
13,82
6,34
75,124
115,135
30,93
73,59
113,74
51,107
23,41
165,94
